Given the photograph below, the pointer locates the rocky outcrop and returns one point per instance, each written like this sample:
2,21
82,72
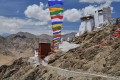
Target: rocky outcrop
22,70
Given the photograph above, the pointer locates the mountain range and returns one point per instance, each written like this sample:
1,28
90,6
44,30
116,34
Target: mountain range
24,42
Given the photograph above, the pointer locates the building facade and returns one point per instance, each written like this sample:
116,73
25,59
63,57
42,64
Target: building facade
100,18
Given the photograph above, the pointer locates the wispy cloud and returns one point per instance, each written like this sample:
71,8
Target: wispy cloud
42,13
72,15
12,25
39,26
92,8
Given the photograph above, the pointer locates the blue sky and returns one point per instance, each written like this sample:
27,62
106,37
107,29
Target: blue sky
23,15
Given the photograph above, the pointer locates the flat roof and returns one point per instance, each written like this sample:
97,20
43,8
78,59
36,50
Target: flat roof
87,17
100,10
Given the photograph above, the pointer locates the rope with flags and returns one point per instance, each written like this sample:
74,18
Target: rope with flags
56,14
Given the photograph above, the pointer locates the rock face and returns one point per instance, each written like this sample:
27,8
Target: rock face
21,43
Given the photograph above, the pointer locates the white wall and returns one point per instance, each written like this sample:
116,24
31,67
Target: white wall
82,28
101,19
96,19
90,25
107,14
86,26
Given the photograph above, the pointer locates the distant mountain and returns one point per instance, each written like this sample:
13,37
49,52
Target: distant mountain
22,35
5,34
2,41
25,43
45,38
69,35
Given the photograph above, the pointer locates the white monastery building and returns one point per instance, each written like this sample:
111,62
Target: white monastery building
97,20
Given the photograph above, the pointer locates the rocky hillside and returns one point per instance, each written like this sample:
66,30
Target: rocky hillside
21,70
98,53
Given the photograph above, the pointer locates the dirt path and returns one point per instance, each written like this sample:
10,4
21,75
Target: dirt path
68,73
